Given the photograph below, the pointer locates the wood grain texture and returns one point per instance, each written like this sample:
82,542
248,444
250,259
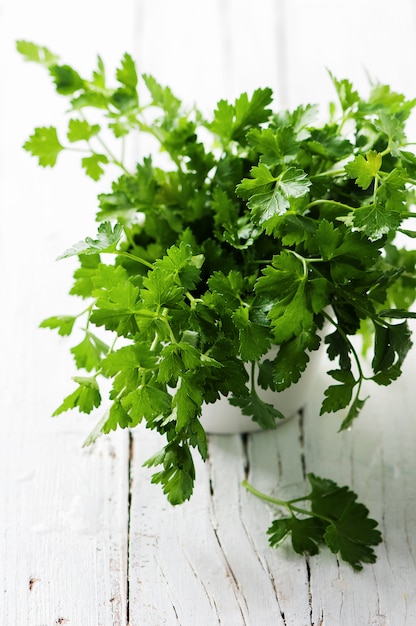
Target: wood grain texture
64,523
64,511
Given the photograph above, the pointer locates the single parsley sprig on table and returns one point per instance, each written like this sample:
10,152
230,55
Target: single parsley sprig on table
249,231
334,518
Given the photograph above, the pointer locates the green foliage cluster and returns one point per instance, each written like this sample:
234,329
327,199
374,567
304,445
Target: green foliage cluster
260,229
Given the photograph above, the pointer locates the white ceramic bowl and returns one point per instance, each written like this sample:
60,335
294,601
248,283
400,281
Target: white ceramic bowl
223,418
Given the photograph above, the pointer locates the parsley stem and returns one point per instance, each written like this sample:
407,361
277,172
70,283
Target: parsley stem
387,150
329,173
341,205
375,190
287,504
302,260
164,319
113,158
253,384
193,301
128,255
87,310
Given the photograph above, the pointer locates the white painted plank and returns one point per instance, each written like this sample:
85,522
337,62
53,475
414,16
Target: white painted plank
64,530
195,563
64,514
376,457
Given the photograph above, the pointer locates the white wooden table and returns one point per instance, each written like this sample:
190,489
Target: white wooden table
85,540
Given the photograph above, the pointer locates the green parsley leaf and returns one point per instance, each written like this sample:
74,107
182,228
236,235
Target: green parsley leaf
116,306
364,169
37,54
83,283
347,95
286,283
338,346
64,323
81,130
98,76
45,145
334,518
88,354
255,339
182,265
376,220
126,73
178,474
162,96
392,343
271,196
306,533
353,412
350,531
338,396
292,359
148,402
92,165
66,79
85,397
107,240
276,146
264,413
187,400
128,367
232,121
117,417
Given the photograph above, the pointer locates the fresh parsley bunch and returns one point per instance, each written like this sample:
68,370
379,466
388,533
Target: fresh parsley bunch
257,229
